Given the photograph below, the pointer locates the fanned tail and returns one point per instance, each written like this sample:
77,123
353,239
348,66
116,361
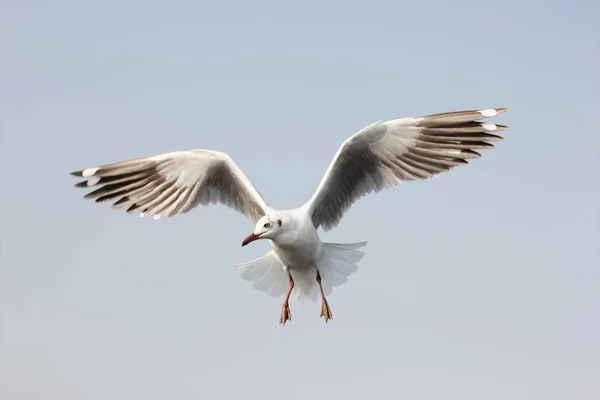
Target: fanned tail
266,275
337,262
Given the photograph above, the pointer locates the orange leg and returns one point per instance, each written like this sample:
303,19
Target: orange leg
325,310
286,314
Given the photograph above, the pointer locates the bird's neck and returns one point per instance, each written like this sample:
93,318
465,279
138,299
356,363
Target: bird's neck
297,231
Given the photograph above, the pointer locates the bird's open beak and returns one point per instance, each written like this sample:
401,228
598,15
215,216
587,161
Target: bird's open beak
250,238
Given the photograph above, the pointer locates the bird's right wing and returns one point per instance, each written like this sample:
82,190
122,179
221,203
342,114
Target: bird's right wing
385,154
173,183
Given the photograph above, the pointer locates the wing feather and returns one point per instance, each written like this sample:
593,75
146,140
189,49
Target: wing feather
173,183
385,154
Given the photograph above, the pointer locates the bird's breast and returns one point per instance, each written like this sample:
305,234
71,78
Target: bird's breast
301,252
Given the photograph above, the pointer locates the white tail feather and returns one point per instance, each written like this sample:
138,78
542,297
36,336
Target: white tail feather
266,274
337,262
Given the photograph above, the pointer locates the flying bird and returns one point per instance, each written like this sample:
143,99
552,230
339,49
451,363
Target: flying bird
300,266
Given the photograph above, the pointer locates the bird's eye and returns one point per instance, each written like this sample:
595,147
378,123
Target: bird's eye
267,225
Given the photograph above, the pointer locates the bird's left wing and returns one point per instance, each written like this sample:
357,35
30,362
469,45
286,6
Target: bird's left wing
173,183
385,154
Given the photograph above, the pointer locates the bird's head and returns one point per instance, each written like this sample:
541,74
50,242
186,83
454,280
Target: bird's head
266,228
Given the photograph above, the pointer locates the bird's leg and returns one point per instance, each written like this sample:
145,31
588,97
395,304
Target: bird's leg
286,314
325,310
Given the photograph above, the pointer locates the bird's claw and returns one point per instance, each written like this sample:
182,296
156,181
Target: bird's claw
286,314
325,310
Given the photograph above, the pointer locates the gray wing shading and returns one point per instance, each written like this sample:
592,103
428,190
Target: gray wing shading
385,154
173,183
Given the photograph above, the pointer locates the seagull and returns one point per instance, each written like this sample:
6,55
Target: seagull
299,266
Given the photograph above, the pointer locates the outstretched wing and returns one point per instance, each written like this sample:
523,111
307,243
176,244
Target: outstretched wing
385,154
173,183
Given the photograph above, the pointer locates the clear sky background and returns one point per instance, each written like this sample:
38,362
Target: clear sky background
481,284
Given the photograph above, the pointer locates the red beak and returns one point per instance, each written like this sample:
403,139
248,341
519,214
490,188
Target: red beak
250,238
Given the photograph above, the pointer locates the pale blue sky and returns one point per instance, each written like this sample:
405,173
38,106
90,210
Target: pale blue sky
482,284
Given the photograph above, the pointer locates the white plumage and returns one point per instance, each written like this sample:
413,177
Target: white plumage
300,266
